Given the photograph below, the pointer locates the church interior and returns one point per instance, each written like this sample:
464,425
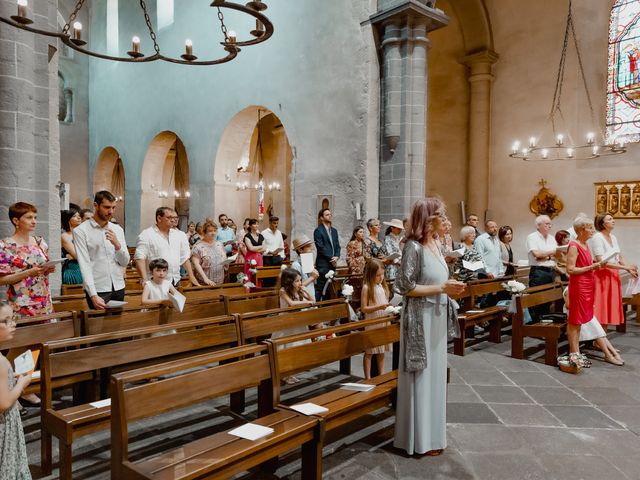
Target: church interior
506,110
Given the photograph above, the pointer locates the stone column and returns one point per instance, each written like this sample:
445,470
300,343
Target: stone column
479,172
402,28
29,135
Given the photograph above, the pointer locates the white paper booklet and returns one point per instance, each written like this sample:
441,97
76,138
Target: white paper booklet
306,261
358,387
115,304
53,262
251,431
309,408
230,260
101,403
455,253
610,255
178,301
24,363
395,300
473,266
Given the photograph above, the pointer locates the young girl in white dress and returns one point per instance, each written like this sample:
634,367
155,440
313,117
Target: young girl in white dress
156,291
374,299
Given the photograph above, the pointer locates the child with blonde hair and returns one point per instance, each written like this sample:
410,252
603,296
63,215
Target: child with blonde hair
374,299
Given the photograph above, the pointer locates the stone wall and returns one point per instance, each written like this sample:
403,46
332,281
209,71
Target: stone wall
315,74
29,143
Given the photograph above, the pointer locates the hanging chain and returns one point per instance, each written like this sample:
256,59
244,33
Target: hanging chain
147,20
557,94
72,17
584,78
223,27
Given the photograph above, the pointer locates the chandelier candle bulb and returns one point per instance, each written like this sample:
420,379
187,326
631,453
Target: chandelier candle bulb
22,8
559,139
590,138
187,194
595,150
77,31
532,142
135,44
516,147
545,153
188,44
232,36
570,152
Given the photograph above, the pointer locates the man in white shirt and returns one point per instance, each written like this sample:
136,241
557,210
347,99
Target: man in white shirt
273,248
163,241
488,245
541,246
225,234
102,253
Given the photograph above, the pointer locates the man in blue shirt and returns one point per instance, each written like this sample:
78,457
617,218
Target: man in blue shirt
226,235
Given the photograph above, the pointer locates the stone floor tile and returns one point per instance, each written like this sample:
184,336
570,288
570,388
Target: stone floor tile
630,466
581,467
553,440
502,394
485,438
462,394
471,361
605,396
495,466
455,379
524,415
554,396
626,415
484,377
533,379
505,363
470,413
582,417
611,443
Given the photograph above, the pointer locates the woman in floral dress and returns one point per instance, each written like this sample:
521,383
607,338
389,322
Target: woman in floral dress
21,258
357,252
208,257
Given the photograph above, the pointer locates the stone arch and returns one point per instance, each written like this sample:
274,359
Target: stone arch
475,25
238,161
109,175
165,172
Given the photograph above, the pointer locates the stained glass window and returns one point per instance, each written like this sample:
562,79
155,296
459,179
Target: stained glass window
623,89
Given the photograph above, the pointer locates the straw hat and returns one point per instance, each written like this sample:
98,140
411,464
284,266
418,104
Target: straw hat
394,222
301,241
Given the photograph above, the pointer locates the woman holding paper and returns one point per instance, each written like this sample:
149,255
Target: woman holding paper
423,279
392,248
303,246
23,264
357,253
470,265
208,257
604,246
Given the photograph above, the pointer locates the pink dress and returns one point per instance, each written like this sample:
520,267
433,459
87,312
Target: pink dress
608,304
378,297
581,288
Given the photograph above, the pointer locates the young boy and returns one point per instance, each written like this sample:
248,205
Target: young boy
156,291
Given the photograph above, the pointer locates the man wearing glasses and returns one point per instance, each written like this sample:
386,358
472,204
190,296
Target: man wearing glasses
163,241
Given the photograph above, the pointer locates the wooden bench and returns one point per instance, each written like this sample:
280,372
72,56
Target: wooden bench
68,362
32,332
472,316
633,304
216,456
550,332
251,302
268,273
344,405
73,289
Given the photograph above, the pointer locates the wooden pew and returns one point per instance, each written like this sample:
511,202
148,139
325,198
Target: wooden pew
344,405
251,302
95,322
551,332
265,273
67,362
70,303
632,303
32,332
219,455
468,320
71,289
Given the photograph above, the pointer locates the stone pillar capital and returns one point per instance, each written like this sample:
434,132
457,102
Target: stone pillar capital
403,13
480,63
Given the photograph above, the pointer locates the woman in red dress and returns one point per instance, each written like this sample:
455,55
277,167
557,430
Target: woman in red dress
580,268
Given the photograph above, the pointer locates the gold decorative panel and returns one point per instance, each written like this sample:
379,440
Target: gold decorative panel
619,199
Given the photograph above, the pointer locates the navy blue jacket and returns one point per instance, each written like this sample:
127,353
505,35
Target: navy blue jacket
324,249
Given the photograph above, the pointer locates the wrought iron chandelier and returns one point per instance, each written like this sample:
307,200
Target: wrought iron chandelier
262,32
565,148
259,155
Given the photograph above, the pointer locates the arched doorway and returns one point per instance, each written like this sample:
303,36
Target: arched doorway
165,178
254,147
109,175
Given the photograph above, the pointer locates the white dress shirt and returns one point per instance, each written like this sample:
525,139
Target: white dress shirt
152,244
489,248
101,265
601,248
272,241
535,241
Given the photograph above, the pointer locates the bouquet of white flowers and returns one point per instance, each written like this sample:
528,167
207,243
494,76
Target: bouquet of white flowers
391,310
329,275
253,263
241,278
513,286
347,290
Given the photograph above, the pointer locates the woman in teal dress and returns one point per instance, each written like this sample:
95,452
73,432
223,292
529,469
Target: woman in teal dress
423,279
71,274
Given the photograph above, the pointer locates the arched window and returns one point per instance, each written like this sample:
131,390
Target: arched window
623,89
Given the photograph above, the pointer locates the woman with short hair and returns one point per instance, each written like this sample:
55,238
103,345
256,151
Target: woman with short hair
22,257
71,274
468,235
208,257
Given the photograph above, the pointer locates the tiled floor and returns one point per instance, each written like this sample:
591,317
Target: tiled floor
507,419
